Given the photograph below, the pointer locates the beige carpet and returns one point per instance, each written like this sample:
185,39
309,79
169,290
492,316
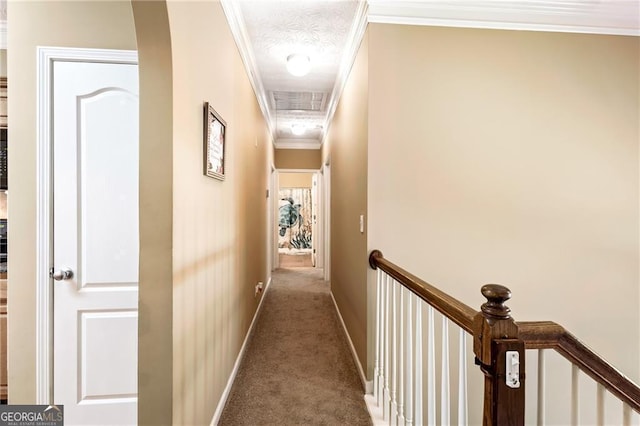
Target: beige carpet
295,260
298,369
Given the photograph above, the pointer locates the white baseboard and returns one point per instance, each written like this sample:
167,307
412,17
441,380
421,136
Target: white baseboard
366,385
234,372
375,412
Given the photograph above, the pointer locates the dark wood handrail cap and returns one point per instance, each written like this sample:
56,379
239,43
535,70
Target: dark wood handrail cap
496,295
375,254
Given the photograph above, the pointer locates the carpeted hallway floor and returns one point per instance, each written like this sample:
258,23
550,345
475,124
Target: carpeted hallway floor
295,260
297,369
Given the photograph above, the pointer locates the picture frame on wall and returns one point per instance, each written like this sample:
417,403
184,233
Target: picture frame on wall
215,129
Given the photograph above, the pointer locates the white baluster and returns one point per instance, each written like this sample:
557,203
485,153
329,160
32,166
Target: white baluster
394,356
541,387
575,395
431,370
418,415
626,415
445,414
376,365
600,405
401,347
463,417
408,370
386,404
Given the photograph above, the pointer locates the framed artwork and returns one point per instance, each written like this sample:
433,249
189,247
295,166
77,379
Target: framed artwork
214,143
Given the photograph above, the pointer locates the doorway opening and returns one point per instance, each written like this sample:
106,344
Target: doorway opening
297,219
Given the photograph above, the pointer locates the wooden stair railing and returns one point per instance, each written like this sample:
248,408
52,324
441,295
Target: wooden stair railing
549,335
455,310
496,335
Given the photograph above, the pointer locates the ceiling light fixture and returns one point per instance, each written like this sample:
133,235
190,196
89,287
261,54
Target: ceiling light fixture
298,64
298,129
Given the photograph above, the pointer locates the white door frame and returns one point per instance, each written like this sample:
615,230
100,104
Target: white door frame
47,56
271,263
326,189
319,219
276,216
277,211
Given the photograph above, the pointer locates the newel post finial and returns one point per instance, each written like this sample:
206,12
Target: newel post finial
496,295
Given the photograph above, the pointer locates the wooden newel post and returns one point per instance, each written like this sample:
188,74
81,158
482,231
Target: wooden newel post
500,355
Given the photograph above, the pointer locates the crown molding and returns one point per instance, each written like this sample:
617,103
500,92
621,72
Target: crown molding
233,13
297,144
620,17
348,58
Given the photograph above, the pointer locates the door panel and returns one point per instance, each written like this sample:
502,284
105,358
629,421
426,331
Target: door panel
109,234
105,338
95,193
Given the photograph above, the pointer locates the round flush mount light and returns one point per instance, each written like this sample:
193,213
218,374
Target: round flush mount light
298,129
298,64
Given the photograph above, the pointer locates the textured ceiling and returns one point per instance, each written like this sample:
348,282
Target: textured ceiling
317,28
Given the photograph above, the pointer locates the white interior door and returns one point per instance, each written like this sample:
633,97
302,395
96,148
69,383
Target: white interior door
318,236
95,236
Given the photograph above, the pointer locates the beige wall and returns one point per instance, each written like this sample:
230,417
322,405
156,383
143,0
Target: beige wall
297,159
155,324
219,227
50,23
295,180
512,157
3,62
346,144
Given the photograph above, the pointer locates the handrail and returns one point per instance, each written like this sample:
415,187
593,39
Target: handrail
498,324
549,335
457,311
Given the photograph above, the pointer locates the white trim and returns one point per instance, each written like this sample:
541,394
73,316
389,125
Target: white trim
613,17
375,412
517,26
326,173
236,366
367,385
274,185
297,144
310,171
270,220
46,56
233,13
319,219
348,58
